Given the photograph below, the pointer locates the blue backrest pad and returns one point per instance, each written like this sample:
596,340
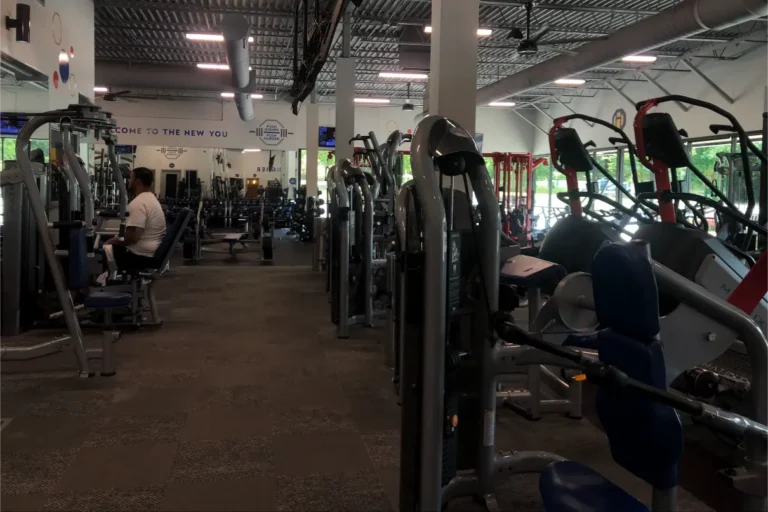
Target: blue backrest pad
77,261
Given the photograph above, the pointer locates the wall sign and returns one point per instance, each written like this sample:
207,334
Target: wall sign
619,119
172,153
171,165
292,181
271,132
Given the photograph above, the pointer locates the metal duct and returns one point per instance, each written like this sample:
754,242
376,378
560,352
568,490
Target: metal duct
244,105
685,19
235,28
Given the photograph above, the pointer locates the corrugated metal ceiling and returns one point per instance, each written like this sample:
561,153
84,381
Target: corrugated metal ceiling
153,32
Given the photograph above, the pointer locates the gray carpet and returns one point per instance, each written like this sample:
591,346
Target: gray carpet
243,400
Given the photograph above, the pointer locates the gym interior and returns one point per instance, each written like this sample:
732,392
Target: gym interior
415,255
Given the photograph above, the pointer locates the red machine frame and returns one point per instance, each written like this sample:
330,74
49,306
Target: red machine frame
517,169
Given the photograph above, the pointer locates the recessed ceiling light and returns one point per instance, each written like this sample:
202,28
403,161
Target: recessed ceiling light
251,150
101,89
408,76
193,36
639,58
502,104
570,81
481,32
371,100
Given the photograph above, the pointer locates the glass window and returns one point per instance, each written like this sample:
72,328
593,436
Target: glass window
609,161
643,175
704,157
9,148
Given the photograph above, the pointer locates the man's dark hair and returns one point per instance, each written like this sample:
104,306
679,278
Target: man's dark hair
144,175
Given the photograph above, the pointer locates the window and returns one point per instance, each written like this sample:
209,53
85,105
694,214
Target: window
9,148
706,157
608,160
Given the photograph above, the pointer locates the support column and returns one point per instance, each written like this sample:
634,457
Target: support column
313,123
345,94
453,61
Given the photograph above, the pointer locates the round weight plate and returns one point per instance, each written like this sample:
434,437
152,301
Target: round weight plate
575,302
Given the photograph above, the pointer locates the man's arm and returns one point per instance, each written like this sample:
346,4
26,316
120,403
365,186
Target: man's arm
132,235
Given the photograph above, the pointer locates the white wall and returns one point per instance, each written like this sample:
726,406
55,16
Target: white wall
502,130
24,99
148,122
60,25
744,80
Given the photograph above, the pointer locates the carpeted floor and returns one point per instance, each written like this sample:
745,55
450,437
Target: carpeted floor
243,400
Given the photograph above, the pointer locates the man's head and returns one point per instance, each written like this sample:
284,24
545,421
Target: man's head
141,180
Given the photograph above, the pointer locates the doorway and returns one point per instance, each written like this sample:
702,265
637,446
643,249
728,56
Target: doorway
170,184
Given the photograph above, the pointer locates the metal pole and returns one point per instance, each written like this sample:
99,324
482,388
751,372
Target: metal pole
660,87
620,93
531,122
38,209
79,173
346,34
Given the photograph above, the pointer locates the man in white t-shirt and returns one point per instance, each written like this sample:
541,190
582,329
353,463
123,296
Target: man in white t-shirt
145,226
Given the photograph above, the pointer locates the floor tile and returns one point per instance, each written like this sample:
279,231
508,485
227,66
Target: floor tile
320,453
352,491
102,500
22,502
119,467
35,472
222,460
47,433
252,494
227,423
129,429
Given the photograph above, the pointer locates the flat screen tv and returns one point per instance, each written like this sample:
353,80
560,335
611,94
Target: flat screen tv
327,137
11,124
125,149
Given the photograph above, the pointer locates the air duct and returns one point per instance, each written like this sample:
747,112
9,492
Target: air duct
685,19
244,105
235,28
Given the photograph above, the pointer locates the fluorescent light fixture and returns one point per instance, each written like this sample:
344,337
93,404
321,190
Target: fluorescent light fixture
371,100
101,89
570,81
206,65
251,150
221,67
639,58
232,95
193,36
408,76
502,104
481,32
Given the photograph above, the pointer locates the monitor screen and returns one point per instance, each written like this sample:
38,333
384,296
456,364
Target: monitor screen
11,124
125,149
327,137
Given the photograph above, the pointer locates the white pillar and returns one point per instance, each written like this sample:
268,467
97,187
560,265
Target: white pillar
345,107
345,93
453,61
313,123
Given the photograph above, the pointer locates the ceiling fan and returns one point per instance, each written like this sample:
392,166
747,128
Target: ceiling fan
529,43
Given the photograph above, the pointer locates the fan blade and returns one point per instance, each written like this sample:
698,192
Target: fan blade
547,48
576,40
539,33
515,33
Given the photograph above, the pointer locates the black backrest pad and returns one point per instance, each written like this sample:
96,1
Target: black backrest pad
571,150
662,140
172,236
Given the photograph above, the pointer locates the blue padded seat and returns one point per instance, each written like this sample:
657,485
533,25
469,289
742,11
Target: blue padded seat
645,437
105,300
572,487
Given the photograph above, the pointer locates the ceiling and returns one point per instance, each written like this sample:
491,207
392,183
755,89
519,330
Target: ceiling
153,32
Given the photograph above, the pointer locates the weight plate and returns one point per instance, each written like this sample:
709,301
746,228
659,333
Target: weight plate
575,302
